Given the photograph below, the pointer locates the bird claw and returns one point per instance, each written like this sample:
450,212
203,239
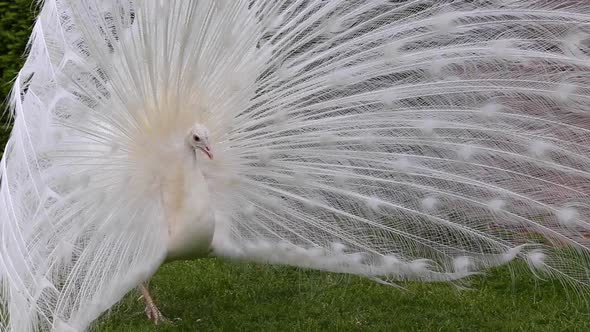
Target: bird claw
153,313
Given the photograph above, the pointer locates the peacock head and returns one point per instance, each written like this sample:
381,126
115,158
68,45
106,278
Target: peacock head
198,139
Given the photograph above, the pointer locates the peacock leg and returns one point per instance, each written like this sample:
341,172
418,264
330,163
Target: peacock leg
151,310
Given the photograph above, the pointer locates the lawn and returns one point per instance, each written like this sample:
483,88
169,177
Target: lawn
212,295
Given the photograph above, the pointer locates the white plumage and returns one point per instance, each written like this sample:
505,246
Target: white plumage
399,140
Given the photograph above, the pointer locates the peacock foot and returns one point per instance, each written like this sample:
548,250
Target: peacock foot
153,313
151,310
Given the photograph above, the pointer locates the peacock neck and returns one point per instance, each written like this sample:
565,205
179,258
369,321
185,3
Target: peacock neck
192,174
190,219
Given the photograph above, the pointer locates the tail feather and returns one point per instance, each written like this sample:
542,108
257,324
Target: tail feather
421,130
64,258
416,140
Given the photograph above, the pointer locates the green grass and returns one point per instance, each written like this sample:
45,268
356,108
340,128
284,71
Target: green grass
212,295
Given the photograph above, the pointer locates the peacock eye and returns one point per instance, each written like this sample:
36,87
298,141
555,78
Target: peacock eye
196,138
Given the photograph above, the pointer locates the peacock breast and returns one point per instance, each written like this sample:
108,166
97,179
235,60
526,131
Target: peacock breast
191,221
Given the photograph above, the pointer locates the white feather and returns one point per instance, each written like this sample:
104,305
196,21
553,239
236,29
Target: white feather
422,140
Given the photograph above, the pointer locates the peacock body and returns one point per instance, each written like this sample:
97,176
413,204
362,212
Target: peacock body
398,140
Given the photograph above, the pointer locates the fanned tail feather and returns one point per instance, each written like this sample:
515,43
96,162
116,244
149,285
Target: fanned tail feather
421,130
398,140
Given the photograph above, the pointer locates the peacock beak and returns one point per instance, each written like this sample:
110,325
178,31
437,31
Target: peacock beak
207,150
